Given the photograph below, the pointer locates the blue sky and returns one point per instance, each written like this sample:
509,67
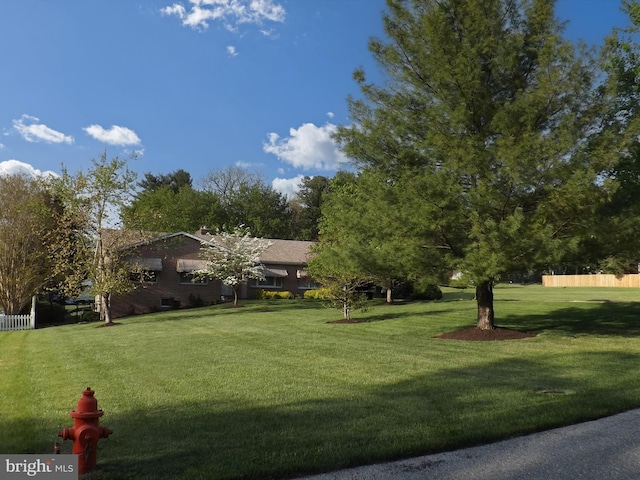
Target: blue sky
195,84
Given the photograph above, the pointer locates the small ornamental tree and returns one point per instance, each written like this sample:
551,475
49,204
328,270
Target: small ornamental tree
341,277
93,249
233,257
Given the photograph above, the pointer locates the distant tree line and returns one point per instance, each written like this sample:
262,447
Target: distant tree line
223,200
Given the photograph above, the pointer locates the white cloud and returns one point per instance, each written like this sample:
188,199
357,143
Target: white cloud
287,186
249,165
15,167
330,114
32,131
230,12
231,50
114,136
307,147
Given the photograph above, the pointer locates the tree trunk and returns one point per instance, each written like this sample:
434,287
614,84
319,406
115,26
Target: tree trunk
346,310
484,298
105,308
235,295
389,295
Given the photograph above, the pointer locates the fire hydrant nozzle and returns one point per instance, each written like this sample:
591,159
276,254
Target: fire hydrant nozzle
86,431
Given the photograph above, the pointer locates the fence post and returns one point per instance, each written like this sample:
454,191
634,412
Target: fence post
33,312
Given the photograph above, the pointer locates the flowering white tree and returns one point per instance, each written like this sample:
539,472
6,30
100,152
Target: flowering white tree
233,257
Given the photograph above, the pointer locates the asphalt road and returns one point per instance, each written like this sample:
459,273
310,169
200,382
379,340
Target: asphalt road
605,449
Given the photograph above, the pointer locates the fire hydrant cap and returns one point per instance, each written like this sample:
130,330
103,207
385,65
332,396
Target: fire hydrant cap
87,405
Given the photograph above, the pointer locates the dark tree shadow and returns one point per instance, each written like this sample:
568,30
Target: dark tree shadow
602,318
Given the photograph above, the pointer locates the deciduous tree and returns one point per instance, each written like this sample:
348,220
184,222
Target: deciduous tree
27,220
166,209
307,207
247,200
233,258
93,200
342,277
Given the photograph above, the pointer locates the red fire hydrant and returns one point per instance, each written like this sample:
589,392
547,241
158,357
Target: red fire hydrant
85,432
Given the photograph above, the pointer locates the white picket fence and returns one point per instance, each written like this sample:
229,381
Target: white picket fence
19,322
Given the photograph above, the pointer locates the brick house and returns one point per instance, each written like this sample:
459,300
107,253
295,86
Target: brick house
167,283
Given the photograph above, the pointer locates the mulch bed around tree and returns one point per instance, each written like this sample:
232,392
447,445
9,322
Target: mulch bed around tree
474,334
470,334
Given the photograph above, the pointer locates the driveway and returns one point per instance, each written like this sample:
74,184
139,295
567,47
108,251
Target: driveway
605,449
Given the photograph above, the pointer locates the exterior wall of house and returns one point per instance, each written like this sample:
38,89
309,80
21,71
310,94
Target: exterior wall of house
289,283
170,289
152,297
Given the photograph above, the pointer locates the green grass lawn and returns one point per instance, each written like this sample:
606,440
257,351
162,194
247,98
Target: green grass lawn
271,390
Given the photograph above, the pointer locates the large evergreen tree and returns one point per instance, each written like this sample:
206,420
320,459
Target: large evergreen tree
492,129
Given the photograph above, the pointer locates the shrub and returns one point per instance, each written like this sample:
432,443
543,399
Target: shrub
317,294
274,295
432,292
427,292
195,301
90,317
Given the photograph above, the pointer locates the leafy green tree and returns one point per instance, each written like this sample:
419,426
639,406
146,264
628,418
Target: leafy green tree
361,218
233,258
27,220
260,208
493,131
307,207
92,201
168,210
340,275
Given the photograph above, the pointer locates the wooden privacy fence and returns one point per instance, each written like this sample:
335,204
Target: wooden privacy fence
19,322
595,280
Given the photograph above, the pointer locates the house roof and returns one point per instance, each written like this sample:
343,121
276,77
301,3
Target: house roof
287,252
280,252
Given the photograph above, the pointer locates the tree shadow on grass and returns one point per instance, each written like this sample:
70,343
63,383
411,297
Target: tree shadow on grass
607,318
234,438
180,315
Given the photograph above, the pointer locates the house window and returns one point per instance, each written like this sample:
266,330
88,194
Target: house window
307,284
268,282
144,269
187,278
144,276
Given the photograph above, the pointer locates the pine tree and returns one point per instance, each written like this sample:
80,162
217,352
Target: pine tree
492,128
